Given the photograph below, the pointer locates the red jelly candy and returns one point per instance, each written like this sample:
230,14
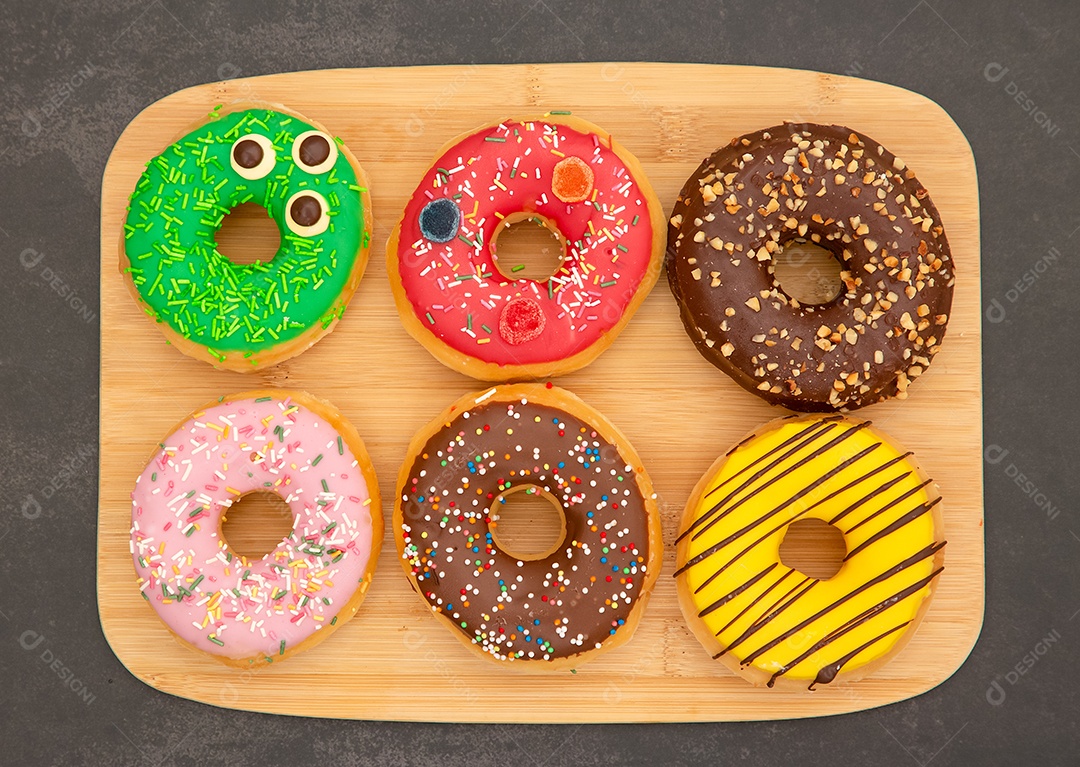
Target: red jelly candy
522,320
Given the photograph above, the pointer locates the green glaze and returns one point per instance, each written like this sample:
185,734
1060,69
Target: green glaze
173,218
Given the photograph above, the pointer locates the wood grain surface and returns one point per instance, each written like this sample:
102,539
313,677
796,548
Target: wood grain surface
393,660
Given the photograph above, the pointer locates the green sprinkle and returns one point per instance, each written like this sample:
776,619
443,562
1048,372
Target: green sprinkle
608,284
216,641
317,459
496,139
634,222
517,268
333,620
486,328
325,487
430,318
559,112
263,399
282,650
340,446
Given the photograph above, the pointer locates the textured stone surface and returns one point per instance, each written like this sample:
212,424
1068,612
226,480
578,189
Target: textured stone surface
73,77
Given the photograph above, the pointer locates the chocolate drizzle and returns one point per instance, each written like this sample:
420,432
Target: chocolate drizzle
806,511
771,591
809,433
929,551
728,597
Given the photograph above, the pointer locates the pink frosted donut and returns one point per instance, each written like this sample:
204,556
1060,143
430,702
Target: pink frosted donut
245,611
575,179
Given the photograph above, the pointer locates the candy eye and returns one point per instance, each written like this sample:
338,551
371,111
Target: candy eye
252,156
307,214
314,151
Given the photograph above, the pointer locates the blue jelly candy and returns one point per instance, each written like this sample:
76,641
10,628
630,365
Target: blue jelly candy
439,220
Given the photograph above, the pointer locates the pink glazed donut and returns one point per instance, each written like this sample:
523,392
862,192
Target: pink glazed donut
576,180
247,612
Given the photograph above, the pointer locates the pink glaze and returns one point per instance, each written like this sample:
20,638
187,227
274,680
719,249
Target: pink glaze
609,244
260,607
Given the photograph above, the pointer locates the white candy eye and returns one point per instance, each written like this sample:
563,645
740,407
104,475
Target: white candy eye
314,151
307,214
252,156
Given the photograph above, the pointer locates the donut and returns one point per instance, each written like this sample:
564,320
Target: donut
249,612
770,623
841,190
247,317
569,175
552,609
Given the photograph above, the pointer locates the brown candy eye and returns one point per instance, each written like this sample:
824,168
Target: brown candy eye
252,156
307,213
247,153
314,152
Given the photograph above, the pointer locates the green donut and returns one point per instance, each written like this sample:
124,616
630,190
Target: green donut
245,316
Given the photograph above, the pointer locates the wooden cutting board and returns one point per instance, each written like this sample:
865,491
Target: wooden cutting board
393,660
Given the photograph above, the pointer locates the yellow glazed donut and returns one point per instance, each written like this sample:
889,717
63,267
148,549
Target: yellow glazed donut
772,624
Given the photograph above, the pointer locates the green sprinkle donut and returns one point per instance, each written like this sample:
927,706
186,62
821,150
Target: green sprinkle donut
246,317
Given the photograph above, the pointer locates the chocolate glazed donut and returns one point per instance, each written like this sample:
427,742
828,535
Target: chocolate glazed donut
556,608
845,192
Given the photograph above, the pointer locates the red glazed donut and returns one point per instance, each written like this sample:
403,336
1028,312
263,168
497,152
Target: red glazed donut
579,182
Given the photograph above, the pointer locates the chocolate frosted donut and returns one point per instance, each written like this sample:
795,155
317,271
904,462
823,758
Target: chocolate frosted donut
556,608
845,192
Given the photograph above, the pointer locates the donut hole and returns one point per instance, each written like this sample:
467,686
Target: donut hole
248,235
807,272
528,246
256,523
814,548
527,522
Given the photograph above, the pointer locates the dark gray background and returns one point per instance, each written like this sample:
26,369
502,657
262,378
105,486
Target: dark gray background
71,78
